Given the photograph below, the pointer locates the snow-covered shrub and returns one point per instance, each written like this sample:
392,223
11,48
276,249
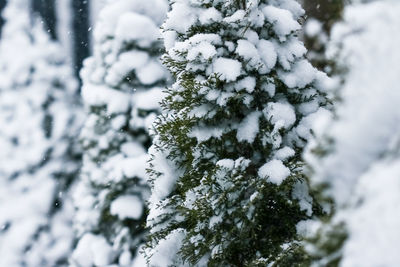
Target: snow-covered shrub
228,187
39,118
122,88
360,170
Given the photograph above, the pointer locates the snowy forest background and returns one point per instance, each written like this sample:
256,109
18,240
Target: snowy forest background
199,133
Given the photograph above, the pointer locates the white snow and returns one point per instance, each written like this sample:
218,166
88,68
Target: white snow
248,52
149,99
284,153
252,36
274,171
229,69
205,133
293,6
124,31
289,52
92,250
166,250
127,207
300,192
180,18
237,16
308,122
302,74
269,88
205,49
373,220
210,15
249,127
169,38
313,27
97,95
165,183
282,20
151,72
280,113
226,163
139,259
268,54
127,62
248,83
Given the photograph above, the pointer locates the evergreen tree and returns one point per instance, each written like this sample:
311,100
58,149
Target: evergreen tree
228,187
356,155
39,118
122,88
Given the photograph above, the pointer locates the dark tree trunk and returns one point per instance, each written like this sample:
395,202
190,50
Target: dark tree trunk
326,11
2,5
80,26
47,11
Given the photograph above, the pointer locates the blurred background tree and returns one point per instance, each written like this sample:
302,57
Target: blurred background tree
321,15
40,119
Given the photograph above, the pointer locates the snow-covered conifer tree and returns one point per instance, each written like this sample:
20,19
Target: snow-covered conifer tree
39,118
360,167
122,88
227,182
